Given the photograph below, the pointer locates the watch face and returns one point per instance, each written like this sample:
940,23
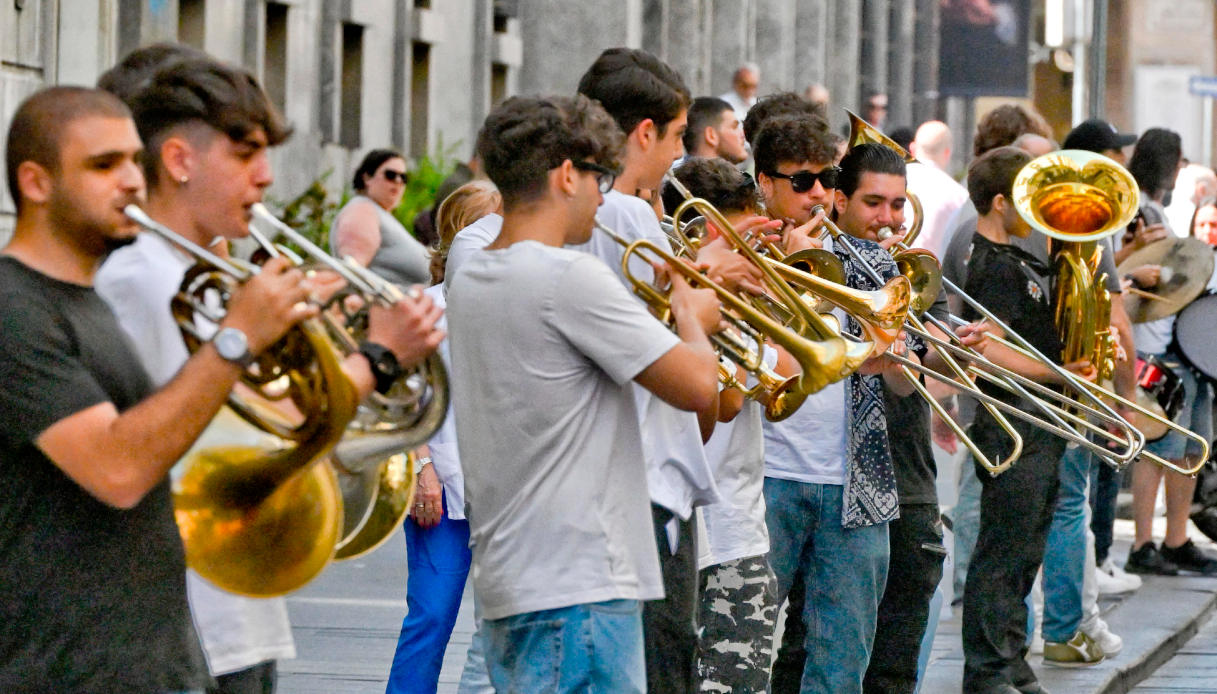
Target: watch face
231,344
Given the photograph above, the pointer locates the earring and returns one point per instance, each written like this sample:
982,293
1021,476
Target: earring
184,179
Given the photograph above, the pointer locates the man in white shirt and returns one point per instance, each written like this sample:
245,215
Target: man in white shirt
555,476
207,127
715,131
940,195
744,83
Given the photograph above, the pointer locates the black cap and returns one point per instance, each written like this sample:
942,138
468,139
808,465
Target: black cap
1097,135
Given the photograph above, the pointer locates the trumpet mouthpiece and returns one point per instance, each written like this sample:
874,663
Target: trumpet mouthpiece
885,233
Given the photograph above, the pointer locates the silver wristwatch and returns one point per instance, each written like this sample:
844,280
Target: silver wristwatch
233,346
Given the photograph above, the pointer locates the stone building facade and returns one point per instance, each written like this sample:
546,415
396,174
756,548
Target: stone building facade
356,74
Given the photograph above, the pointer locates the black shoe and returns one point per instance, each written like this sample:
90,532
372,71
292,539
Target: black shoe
1146,559
1189,557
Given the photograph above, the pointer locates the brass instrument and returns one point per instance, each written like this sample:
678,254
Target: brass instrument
258,508
376,481
820,361
1076,198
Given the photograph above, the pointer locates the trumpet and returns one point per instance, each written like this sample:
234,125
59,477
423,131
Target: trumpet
258,508
820,361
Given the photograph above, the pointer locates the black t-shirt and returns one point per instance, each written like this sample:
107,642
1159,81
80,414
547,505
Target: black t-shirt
1014,286
908,432
94,597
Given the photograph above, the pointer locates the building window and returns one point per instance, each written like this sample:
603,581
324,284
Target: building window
352,85
498,83
191,22
274,55
420,101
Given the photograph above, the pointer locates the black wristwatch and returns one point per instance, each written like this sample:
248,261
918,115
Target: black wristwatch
385,367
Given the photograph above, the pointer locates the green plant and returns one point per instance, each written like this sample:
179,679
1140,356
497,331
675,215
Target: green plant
426,174
312,212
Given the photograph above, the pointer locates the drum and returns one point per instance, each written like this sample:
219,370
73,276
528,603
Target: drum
1194,331
1160,391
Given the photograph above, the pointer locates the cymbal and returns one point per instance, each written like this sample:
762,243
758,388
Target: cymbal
1191,265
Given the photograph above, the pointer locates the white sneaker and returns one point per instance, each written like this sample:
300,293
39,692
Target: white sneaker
1109,642
1113,580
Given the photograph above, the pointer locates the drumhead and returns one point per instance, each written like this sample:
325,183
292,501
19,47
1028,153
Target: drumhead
1194,331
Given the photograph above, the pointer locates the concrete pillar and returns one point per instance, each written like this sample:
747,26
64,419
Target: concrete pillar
874,48
845,25
482,48
687,28
813,44
225,30
901,63
557,46
775,40
733,43
925,61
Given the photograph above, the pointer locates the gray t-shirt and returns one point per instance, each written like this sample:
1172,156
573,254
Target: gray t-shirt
401,258
545,343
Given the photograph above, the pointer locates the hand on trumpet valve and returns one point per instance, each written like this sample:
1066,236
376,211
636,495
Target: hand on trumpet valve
888,238
269,304
407,328
699,305
726,267
799,237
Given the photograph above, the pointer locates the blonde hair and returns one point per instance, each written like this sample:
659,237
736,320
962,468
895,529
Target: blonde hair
462,207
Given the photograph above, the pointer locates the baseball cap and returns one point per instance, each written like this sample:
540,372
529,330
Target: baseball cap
1096,135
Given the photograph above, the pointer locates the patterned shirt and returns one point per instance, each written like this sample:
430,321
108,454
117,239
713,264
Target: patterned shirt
870,482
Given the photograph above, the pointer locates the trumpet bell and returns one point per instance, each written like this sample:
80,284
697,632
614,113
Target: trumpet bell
862,133
925,277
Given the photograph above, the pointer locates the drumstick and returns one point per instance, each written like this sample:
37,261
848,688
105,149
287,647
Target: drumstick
1144,294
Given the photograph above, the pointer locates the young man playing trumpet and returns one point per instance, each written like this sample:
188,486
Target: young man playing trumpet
208,127
830,488
549,433
93,568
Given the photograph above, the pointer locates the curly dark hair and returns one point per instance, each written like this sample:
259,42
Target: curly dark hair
796,138
633,85
525,137
779,104
716,180
1155,160
1003,125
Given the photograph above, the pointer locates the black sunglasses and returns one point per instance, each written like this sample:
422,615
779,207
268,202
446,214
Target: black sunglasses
803,181
394,176
604,175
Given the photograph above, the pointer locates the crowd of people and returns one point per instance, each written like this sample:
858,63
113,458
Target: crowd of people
629,517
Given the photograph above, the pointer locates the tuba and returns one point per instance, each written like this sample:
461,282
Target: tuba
258,507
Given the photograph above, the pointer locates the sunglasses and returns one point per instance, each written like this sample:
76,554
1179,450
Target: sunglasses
803,181
604,175
395,176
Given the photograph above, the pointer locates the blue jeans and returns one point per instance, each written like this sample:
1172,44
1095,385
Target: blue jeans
594,647
1065,551
845,571
439,564
1104,493
965,518
475,678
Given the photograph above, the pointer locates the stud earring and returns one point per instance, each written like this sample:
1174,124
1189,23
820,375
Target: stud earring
184,180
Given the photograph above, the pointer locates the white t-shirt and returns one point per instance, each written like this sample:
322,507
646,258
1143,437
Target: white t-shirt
941,197
678,474
545,342
138,282
735,527
468,241
444,455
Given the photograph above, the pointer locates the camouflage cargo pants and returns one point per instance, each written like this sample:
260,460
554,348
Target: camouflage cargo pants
737,612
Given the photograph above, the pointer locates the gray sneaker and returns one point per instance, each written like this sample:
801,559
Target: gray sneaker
1079,651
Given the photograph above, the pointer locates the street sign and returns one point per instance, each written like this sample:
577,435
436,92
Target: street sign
1202,85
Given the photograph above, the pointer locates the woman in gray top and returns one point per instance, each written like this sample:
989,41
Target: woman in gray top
366,229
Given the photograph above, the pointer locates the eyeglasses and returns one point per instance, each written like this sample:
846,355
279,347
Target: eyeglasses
604,175
803,181
394,176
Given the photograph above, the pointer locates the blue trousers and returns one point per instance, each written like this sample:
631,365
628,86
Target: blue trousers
1065,551
439,560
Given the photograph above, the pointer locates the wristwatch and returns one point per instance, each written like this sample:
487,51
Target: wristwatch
233,346
385,368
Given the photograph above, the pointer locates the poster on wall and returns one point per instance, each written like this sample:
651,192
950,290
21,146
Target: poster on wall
983,49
